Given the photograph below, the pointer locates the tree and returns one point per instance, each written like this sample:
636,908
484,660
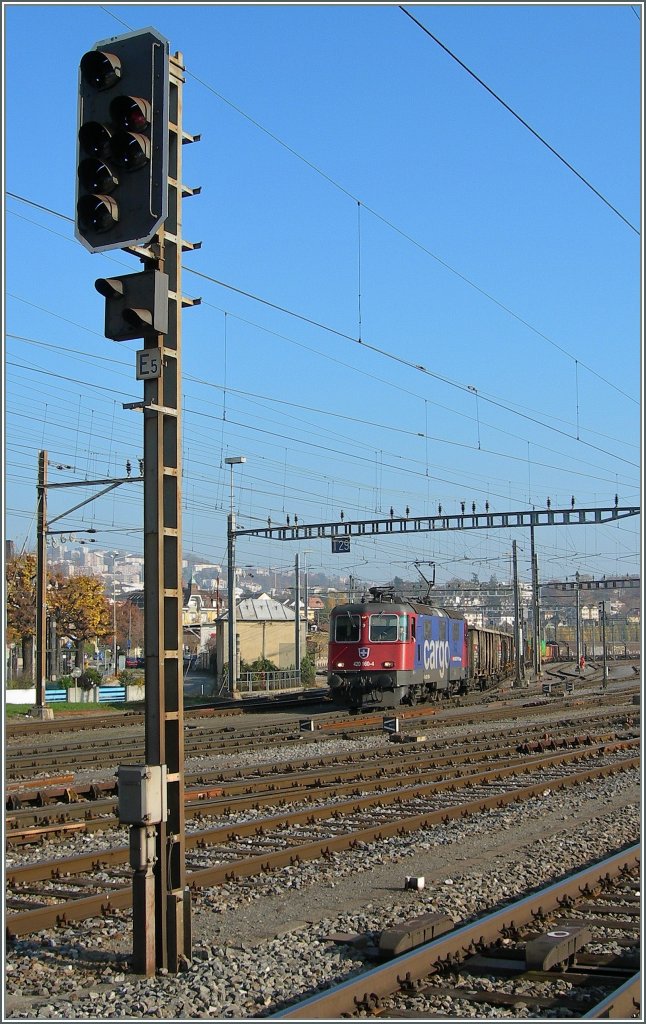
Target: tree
82,611
130,625
21,607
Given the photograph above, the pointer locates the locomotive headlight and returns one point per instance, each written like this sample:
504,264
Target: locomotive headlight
340,664
388,664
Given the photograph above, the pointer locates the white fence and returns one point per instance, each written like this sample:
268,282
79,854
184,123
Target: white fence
269,682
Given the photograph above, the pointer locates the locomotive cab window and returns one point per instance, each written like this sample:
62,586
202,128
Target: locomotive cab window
347,629
383,628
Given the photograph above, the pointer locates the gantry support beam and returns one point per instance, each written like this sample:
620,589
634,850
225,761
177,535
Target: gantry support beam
432,524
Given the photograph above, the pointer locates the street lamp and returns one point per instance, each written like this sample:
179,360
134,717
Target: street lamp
232,460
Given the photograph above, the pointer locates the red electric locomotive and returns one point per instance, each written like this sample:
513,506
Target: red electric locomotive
390,651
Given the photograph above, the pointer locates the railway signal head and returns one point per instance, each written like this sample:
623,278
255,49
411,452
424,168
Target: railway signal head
135,304
122,147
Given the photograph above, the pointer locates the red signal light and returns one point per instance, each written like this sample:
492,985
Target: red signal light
131,113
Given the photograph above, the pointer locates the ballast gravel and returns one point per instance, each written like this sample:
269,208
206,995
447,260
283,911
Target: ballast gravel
264,943
261,944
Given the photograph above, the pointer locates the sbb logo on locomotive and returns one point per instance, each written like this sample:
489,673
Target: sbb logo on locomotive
436,654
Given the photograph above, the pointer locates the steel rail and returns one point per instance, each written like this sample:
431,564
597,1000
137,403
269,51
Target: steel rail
213,836
621,1004
25,922
364,991
204,744
266,792
458,750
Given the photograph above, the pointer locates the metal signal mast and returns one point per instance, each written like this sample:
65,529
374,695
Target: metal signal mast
129,196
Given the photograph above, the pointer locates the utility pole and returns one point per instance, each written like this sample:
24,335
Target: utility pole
40,710
297,616
518,633
602,609
578,623
114,624
536,644
306,599
231,461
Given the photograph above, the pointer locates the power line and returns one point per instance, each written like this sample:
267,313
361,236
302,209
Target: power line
327,412
342,334
519,118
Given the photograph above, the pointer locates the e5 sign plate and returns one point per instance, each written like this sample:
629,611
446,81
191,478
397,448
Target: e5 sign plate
149,363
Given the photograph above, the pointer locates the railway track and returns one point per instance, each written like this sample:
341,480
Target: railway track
57,808
202,737
289,842
584,926
322,823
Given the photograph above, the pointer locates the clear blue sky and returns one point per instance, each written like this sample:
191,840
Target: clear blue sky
352,173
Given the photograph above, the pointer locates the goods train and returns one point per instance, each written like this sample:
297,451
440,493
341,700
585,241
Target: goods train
389,650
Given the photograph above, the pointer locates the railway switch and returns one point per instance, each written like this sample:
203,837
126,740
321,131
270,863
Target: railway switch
142,794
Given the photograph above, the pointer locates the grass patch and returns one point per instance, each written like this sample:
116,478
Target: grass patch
67,707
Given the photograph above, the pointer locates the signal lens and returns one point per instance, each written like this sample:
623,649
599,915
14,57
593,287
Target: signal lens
101,70
95,176
130,151
138,317
95,139
99,213
131,113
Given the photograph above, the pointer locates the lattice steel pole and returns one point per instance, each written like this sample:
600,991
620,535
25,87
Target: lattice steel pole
169,935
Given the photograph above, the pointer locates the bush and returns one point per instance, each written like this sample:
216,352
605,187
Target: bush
21,682
308,670
259,665
65,682
129,678
91,677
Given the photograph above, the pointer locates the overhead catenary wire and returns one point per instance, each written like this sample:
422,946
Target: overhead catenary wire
342,416
519,118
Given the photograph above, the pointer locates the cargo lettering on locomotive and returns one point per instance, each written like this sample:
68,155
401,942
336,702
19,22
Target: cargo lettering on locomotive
437,655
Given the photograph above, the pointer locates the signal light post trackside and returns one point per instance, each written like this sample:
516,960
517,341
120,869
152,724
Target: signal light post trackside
130,131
